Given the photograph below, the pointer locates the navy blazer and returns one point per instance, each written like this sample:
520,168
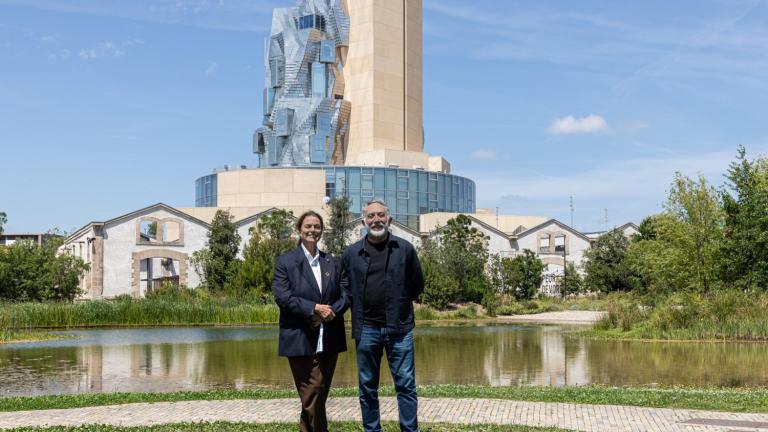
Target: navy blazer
296,293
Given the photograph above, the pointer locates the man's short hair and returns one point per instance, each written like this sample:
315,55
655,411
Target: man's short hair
380,202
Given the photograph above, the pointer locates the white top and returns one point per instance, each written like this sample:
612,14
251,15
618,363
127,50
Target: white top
314,264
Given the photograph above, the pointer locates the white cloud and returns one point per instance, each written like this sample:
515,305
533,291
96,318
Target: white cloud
102,50
632,179
49,38
630,188
211,69
571,125
483,154
62,54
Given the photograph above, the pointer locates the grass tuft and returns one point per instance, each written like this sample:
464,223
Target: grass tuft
723,315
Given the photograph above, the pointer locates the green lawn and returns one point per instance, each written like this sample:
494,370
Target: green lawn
733,400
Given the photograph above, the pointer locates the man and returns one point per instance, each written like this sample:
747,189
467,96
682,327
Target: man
384,277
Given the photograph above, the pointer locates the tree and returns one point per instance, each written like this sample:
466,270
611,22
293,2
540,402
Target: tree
63,272
3,221
573,283
463,254
216,262
338,230
678,250
526,274
744,250
152,230
270,238
605,266
454,263
31,272
649,227
695,204
657,266
440,288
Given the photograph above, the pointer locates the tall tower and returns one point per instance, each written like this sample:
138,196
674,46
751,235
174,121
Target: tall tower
305,114
384,76
343,86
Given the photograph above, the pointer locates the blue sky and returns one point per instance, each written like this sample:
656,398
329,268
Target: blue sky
107,106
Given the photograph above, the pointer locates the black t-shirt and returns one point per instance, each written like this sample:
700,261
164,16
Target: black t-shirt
376,286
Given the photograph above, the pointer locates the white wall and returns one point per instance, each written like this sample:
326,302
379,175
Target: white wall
120,243
575,245
498,244
80,247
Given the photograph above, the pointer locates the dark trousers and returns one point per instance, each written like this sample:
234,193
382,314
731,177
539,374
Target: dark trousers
313,376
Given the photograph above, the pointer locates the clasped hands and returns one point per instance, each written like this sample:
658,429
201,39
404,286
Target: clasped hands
323,313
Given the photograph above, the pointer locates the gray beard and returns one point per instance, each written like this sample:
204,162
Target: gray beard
382,234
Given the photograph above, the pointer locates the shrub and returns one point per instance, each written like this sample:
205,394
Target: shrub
622,314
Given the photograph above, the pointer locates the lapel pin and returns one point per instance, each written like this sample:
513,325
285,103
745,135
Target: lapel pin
327,274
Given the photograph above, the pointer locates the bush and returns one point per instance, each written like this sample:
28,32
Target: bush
527,276
678,312
573,282
29,272
605,266
439,288
251,278
622,314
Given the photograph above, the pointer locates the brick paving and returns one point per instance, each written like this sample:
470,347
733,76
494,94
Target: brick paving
431,410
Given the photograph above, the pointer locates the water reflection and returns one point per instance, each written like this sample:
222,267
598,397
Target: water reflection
205,358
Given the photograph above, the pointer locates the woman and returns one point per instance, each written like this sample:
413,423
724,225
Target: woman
307,289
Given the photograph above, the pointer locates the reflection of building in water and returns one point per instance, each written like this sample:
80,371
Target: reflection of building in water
148,367
563,361
180,359
547,359
92,361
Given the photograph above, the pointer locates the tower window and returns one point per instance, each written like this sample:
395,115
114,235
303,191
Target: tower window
312,21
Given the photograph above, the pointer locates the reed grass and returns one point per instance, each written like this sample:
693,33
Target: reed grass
126,311
165,311
720,315
469,311
510,306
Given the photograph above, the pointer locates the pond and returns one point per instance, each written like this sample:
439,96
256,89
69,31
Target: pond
170,359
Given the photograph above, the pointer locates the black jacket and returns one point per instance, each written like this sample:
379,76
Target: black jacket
405,280
296,293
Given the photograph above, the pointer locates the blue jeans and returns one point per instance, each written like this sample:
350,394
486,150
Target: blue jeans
399,347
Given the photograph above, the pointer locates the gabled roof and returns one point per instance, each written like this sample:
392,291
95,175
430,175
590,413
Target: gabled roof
133,214
257,216
628,225
556,222
406,228
477,221
595,234
83,229
158,206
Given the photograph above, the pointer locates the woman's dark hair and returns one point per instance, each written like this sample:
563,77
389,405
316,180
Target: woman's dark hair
304,215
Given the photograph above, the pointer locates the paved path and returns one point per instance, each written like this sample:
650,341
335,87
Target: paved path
466,411
564,317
